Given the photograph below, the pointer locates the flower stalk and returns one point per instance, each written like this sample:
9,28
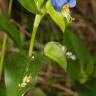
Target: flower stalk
38,18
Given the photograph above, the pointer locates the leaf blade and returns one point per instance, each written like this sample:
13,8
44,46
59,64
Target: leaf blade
54,51
11,30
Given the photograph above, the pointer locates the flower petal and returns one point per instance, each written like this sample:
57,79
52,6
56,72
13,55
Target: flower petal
72,3
57,4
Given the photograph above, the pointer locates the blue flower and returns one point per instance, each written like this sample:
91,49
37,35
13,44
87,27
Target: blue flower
58,4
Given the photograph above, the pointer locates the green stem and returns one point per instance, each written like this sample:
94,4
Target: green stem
10,7
5,41
3,53
38,18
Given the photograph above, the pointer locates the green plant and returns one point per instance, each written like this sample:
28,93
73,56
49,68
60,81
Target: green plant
20,70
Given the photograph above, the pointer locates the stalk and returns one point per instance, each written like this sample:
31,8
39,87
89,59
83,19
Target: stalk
38,18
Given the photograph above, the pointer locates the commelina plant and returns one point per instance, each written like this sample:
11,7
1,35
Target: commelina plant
21,69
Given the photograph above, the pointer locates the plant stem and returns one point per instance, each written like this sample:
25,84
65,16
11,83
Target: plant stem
3,53
38,18
5,41
10,7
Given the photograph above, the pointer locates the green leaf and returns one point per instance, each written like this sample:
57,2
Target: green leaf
75,45
87,89
37,64
38,92
10,29
56,16
74,70
33,68
30,5
14,72
56,52
18,68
